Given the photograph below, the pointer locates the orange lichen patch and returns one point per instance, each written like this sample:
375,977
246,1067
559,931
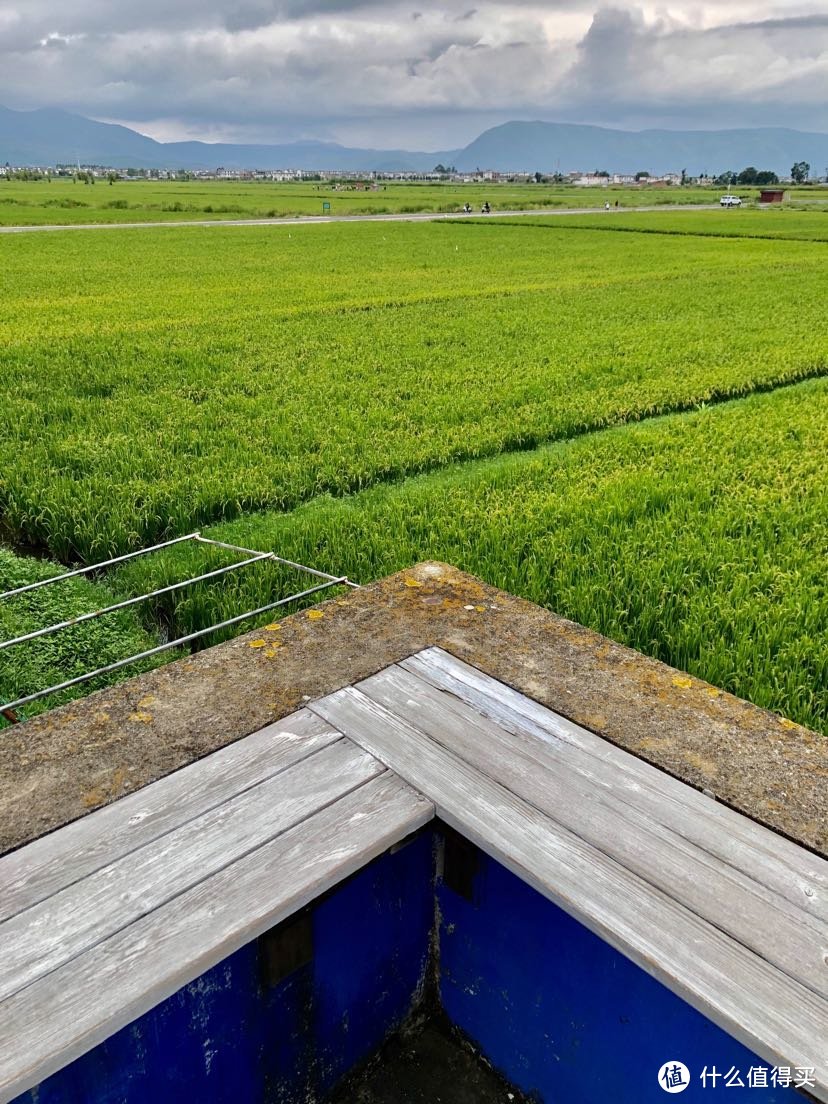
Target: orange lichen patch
106,791
147,700
412,582
100,717
94,797
481,609
649,744
786,723
274,627
596,722
257,644
141,717
705,766
315,615
682,682
272,650
452,603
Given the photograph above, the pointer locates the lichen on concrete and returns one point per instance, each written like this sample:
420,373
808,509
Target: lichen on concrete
62,764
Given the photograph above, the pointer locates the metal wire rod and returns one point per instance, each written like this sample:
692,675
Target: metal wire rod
95,567
278,559
172,644
312,571
132,601
222,544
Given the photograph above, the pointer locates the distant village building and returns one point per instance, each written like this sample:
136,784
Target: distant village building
589,180
599,180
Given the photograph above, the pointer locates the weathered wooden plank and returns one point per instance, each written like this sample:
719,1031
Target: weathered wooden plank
756,1003
751,913
781,865
71,1010
56,930
55,861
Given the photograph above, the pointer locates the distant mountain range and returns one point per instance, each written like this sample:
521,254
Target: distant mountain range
49,137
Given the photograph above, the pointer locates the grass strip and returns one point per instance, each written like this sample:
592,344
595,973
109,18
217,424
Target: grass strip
700,539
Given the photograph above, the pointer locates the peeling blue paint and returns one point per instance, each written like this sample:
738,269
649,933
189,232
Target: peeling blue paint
224,1039
557,1011
564,1016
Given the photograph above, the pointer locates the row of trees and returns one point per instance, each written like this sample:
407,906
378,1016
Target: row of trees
800,172
750,175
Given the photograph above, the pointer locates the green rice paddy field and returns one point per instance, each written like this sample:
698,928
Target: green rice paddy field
628,427
63,201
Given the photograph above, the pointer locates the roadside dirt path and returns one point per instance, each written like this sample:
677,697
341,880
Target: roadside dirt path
315,220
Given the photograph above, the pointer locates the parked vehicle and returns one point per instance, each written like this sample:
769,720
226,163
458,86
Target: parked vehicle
730,201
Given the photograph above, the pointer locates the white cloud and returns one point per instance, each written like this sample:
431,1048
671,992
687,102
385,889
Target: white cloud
425,74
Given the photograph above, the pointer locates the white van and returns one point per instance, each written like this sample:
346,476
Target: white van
730,201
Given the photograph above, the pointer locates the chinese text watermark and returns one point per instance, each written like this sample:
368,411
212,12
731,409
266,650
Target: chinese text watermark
675,1077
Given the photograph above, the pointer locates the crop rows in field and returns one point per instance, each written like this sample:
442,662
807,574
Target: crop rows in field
155,383
142,401
699,539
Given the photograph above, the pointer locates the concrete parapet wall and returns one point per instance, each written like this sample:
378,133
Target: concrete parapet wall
63,764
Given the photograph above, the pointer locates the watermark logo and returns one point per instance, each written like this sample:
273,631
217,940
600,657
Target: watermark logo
674,1077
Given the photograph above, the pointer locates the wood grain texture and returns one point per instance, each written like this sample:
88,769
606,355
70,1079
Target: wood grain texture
770,859
758,1004
109,916
754,915
71,1010
56,930
55,861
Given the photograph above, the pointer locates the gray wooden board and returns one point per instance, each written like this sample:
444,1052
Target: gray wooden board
758,917
764,1008
794,872
63,857
69,1011
52,932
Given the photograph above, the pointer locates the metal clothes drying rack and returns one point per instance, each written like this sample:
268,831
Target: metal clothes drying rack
252,557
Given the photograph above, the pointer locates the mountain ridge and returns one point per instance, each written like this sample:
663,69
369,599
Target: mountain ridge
49,136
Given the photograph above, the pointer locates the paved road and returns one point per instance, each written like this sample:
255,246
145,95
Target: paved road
315,220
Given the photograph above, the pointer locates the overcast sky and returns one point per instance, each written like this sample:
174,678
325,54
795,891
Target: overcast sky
415,74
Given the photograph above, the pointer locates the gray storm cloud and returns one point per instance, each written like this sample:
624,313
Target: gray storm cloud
392,74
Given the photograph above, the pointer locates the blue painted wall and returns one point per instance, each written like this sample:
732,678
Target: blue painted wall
560,1013
226,1038
564,1016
